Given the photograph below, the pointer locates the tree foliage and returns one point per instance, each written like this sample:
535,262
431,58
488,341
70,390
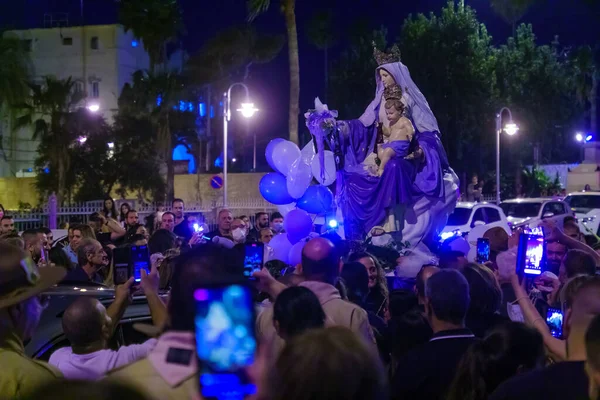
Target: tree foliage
156,22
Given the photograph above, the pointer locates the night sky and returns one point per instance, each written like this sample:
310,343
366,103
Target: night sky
573,22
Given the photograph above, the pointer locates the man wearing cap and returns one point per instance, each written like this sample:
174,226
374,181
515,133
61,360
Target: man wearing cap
454,253
21,283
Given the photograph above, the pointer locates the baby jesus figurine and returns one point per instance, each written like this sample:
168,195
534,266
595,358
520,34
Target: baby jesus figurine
400,132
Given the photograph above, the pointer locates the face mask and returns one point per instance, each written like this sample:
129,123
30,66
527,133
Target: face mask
277,226
381,241
239,235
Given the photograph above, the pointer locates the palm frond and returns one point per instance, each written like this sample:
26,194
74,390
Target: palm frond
257,7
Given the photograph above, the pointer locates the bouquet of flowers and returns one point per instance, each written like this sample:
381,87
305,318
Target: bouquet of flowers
321,123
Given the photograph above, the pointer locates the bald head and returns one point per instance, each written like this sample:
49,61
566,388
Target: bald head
85,322
320,261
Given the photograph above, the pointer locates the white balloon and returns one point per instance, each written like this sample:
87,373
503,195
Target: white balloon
329,168
299,178
284,209
284,154
308,152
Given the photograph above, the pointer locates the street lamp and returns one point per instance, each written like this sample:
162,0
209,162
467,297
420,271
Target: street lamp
510,128
247,110
583,139
93,108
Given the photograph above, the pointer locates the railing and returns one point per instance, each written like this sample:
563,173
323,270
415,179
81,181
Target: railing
80,213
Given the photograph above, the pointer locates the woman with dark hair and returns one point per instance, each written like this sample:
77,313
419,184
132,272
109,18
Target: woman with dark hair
378,294
486,297
109,210
507,350
296,310
125,207
161,241
408,331
325,364
355,279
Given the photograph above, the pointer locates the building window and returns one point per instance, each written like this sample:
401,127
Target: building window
94,43
79,87
96,89
26,45
67,41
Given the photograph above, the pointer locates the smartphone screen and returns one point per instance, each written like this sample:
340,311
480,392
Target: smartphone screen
121,258
531,251
225,341
483,250
140,259
554,320
253,258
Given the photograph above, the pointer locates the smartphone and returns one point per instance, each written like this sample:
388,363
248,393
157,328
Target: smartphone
483,250
140,259
225,341
198,228
121,262
253,258
554,320
530,253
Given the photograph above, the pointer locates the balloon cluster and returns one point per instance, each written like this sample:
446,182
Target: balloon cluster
291,189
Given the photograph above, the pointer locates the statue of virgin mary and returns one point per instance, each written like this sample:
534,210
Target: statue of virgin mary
367,201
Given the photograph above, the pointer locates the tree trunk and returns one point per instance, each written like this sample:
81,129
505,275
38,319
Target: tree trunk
594,102
326,74
61,181
294,111
208,126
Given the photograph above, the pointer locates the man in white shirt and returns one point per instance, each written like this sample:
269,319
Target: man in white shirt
88,327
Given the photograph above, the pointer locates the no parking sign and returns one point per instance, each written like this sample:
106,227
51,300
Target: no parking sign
216,182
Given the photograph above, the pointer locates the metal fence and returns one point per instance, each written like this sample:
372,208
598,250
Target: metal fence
80,213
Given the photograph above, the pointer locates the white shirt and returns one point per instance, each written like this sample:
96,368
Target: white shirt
94,366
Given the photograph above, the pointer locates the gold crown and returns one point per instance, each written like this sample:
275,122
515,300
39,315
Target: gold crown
393,92
386,58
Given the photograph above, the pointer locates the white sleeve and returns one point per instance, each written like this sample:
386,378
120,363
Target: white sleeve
134,352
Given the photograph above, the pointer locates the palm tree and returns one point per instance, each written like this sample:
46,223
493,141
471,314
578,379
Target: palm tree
586,82
14,71
14,76
156,22
157,96
511,11
321,34
257,7
50,110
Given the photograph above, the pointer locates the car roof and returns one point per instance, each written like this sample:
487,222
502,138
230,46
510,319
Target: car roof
464,204
588,193
531,200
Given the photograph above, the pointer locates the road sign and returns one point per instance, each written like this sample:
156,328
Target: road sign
216,182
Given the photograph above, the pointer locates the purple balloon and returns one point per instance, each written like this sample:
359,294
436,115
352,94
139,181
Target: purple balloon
295,255
281,248
273,188
269,151
316,200
298,225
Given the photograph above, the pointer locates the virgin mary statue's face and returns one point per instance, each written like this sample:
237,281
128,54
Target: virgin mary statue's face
386,78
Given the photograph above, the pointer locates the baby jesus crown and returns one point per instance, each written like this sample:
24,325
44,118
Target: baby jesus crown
386,58
392,93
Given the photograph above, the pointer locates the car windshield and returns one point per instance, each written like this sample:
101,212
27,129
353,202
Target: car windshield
521,210
583,203
460,216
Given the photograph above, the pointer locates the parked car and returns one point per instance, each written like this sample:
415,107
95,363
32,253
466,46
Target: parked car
586,206
49,335
469,215
530,212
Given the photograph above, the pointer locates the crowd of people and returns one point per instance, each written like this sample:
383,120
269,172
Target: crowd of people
349,321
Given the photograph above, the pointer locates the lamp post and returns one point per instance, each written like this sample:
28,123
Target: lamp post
247,110
583,139
511,128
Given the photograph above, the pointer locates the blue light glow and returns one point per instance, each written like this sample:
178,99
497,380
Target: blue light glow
333,223
180,153
134,43
158,100
202,109
588,138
